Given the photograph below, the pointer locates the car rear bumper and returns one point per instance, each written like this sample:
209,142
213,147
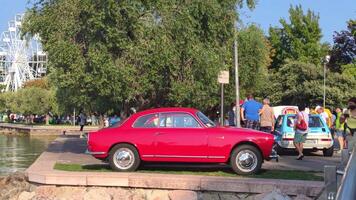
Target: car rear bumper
309,144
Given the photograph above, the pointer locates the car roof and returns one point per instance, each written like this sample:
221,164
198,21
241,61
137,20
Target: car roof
295,114
168,109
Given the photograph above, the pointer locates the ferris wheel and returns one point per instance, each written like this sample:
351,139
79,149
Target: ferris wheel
21,59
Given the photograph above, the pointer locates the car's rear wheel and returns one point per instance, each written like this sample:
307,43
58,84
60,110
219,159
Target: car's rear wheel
124,158
328,152
246,159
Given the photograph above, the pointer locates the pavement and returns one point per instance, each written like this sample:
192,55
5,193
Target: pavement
70,149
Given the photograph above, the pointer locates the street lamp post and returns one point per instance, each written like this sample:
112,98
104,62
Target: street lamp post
327,58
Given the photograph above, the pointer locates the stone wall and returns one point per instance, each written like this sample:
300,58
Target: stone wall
16,187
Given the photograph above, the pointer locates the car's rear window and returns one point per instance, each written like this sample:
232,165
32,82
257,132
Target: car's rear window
314,121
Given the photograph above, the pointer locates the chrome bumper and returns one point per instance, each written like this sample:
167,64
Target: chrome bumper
274,154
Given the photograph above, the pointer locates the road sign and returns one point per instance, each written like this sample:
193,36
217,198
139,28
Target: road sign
223,77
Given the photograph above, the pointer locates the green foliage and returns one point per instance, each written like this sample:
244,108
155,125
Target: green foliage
349,70
30,100
108,55
254,58
343,53
299,39
299,83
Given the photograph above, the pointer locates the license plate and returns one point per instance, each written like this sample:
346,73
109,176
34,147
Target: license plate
311,141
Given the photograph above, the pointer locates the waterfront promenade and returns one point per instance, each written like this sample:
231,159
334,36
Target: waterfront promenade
70,150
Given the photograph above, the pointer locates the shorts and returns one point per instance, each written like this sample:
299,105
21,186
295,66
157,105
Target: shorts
340,133
252,124
267,129
300,137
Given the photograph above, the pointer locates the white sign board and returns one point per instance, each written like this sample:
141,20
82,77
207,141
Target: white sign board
223,77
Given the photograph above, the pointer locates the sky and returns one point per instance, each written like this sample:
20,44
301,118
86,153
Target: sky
333,13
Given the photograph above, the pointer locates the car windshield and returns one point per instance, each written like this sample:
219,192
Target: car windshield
206,121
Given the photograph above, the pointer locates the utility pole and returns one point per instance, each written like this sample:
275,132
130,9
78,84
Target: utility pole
237,107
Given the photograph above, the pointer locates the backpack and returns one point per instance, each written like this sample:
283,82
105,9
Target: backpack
302,125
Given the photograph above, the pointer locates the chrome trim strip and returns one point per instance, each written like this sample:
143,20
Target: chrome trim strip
216,157
94,153
176,156
148,156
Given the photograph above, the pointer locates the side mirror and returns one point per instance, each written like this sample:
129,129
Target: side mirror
323,129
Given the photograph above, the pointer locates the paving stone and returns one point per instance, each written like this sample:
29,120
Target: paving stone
138,194
26,195
228,196
183,195
119,193
274,195
45,191
157,195
302,197
208,196
70,193
96,194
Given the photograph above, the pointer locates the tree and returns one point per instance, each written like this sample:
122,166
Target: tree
298,82
344,49
108,55
297,40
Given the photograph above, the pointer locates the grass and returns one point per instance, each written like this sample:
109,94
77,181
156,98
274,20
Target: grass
223,172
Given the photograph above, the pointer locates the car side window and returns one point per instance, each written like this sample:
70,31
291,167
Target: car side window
177,120
279,122
290,121
147,121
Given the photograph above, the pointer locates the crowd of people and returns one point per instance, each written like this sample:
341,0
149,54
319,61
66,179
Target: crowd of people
260,116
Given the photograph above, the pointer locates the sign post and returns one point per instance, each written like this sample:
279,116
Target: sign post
223,78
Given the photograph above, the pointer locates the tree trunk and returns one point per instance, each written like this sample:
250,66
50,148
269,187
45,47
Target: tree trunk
47,119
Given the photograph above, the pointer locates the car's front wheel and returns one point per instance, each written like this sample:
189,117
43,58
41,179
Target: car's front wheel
246,159
124,158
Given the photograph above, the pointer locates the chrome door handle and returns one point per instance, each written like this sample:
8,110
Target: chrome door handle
220,137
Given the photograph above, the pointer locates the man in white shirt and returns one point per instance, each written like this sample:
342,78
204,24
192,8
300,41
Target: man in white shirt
322,113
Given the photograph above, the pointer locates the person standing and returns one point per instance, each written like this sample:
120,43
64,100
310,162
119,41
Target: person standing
250,113
301,129
231,115
323,114
82,120
267,117
340,129
351,116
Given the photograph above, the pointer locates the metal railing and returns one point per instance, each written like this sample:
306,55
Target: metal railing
347,189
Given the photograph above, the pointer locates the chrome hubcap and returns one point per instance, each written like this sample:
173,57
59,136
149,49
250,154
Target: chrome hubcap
124,158
246,160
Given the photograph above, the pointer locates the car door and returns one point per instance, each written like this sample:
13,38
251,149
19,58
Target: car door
143,133
180,138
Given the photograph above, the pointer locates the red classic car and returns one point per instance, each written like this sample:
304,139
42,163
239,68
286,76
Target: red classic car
179,135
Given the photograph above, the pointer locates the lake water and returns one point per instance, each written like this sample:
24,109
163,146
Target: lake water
19,152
